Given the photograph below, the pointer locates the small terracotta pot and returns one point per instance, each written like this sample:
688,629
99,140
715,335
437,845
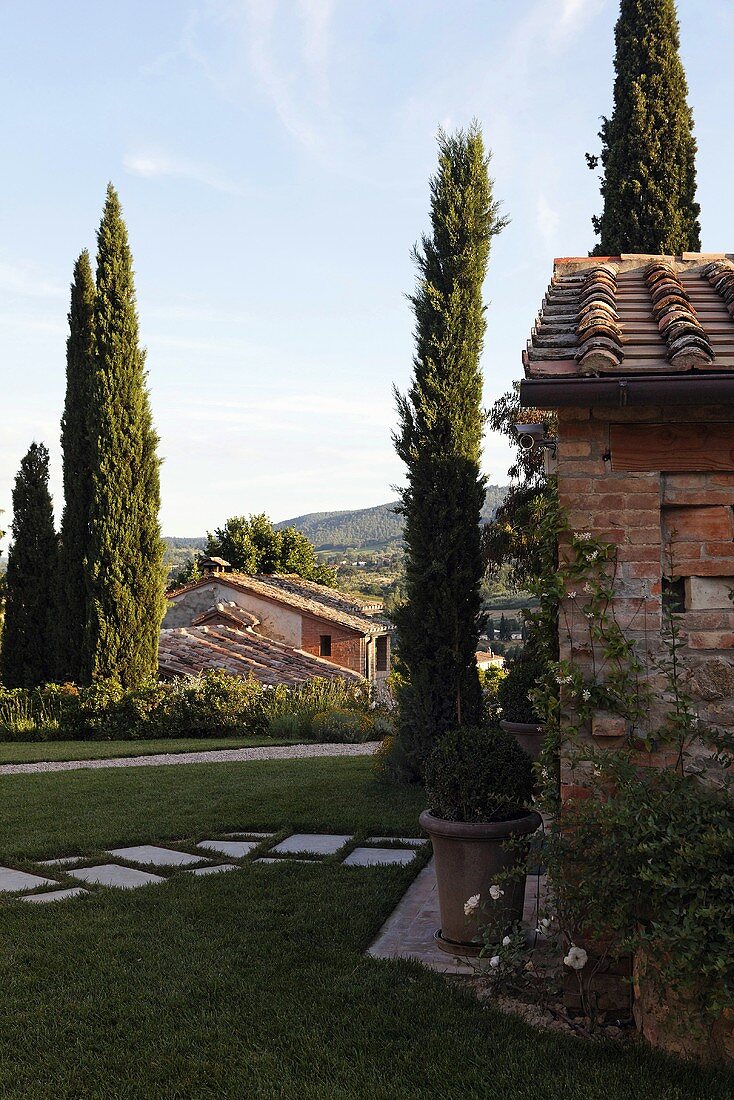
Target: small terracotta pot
469,857
529,736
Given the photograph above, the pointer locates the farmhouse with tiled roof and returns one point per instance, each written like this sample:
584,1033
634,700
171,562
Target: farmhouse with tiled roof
282,628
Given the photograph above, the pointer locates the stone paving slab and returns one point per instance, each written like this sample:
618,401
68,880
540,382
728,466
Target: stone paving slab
410,841
269,859
408,933
246,834
54,895
212,869
62,861
321,844
373,857
112,874
12,880
158,857
236,849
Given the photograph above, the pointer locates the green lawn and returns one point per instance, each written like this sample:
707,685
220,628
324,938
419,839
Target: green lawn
254,983
29,752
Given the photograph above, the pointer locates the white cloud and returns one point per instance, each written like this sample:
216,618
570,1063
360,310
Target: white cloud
27,281
158,165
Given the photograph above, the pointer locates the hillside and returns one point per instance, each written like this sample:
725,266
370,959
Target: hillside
359,529
367,528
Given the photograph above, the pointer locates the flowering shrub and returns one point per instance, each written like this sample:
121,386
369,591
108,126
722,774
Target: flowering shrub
645,862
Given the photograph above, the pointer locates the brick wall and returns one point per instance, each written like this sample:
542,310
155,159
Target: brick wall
672,530
347,646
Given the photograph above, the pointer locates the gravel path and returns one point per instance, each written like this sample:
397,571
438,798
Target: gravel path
218,756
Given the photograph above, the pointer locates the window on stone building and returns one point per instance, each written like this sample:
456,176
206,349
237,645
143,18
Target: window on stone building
325,645
382,653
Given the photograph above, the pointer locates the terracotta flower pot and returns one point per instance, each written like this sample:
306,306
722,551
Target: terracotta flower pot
469,857
529,736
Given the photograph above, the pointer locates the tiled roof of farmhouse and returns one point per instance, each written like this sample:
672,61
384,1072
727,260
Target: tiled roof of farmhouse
227,614
631,315
288,588
189,650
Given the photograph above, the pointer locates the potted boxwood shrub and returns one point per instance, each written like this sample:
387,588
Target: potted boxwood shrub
479,783
518,716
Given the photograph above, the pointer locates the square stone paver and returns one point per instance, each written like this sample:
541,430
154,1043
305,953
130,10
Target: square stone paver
212,869
62,861
11,880
268,859
372,857
55,895
112,874
158,857
245,833
408,841
236,849
321,844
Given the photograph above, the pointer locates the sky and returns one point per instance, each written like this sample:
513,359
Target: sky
273,161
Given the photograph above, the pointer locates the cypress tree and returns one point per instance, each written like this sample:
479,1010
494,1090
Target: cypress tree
440,439
76,445
648,149
27,643
124,568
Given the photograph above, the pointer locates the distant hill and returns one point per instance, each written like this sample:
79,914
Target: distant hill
367,528
360,529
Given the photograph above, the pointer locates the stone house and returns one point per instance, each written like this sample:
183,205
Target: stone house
635,354
337,633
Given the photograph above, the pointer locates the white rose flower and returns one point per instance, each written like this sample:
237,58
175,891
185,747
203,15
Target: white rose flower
494,962
506,941
496,892
471,905
576,958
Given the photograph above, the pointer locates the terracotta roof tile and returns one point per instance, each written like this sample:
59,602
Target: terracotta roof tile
313,599
628,315
190,650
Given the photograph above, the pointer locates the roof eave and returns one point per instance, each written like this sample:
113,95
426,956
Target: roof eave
616,391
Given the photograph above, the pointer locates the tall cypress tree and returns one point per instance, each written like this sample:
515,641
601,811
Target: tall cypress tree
648,149
76,445
124,569
440,439
27,657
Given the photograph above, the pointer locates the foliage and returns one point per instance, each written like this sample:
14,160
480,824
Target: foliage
350,726
124,565
210,705
188,573
645,859
253,545
510,543
439,439
648,149
77,450
478,774
491,679
27,656
514,692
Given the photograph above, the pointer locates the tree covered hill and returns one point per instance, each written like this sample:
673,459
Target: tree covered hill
363,528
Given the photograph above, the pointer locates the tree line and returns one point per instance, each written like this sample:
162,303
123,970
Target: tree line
86,602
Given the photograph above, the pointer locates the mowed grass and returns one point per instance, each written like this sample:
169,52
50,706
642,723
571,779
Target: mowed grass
255,983
31,752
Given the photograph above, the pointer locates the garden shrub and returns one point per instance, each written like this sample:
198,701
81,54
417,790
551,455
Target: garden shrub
345,726
478,774
513,692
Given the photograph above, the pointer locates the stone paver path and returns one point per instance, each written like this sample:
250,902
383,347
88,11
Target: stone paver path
321,844
200,860
409,931
217,756
112,874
